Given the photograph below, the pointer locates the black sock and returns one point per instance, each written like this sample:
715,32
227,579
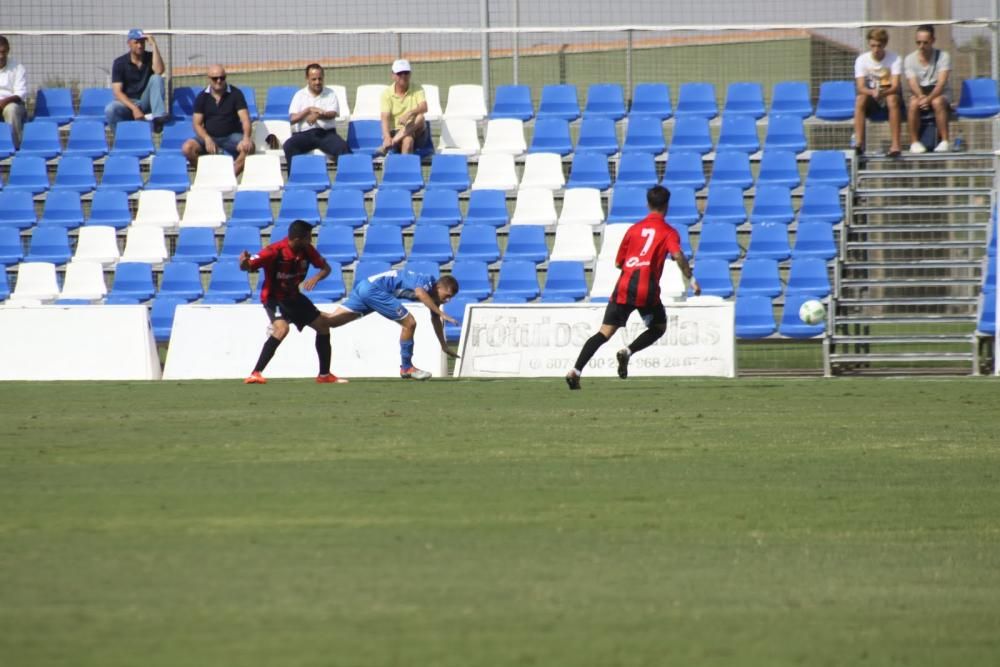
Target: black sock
266,352
589,349
323,352
645,339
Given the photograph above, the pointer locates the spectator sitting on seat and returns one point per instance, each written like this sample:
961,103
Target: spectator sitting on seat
876,76
137,83
403,108
928,75
312,114
13,91
221,122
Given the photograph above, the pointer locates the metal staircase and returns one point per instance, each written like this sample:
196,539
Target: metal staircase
909,268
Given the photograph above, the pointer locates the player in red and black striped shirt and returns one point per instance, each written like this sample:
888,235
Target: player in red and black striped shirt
641,256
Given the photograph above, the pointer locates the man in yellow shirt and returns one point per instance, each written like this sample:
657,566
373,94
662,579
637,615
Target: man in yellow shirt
403,108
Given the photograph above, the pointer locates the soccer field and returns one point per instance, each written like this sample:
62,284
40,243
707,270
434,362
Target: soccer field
648,522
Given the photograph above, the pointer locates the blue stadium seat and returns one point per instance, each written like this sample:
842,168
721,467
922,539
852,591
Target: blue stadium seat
478,242
133,280
527,243
559,101
718,242
28,173
628,205
161,316
49,243
298,204
251,97
685,237
517,282
54,104
644,133
651,99
637,169
355,171
785,133
363,136
182,103
828,168
237,239
551,136
682,211
4,286
456,309
87,138
589,170
133,137
11,247
62,208
121,172
808,275
449,171
336,244
487,207
779,168
732,168
513,102
422,266
754,316
791,98
725,205
393,207
978,99
109,207
431,243
814,239
697,99
75,172
987,323
713,277
278,100
772,203
329,289
440,207
821,203
169,171
684,169
40,138
252,208
174,135
92,103
791,325
181,280
403,172
691,133
369,267
473,278
836,101
606,100
759,276
6,142
598,134
309,172
196,245
383,243
769,240
745,98
565,282
738,133
346,207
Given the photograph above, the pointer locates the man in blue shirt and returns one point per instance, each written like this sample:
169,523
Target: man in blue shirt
381,293
137,83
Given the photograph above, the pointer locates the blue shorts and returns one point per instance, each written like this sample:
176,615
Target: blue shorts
367,298
228,144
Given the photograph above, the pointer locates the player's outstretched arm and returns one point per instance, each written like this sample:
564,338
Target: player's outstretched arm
309,283
426,299
685,268
245,260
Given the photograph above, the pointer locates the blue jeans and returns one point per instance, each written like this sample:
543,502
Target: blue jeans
152,101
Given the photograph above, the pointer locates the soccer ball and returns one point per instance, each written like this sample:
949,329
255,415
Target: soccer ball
812,312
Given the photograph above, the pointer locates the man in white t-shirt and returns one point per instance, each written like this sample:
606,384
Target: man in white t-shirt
13,92
877,81
313,113
928,73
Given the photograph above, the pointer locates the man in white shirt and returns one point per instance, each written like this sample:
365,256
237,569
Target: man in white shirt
927,74
13,91
876,76
312,114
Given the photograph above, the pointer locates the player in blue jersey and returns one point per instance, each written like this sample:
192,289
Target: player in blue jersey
381,293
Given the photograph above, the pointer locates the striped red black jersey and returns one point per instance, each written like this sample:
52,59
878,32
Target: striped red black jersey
284,269
641,255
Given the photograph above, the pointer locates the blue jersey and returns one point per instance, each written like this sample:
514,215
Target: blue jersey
402,284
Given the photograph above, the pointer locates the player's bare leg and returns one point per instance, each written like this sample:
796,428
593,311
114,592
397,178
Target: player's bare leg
323,352
590,348
407,370
279,329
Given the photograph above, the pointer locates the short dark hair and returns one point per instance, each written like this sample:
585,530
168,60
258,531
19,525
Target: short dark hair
312,66
928,28
4,42
450,282
300,229
658,197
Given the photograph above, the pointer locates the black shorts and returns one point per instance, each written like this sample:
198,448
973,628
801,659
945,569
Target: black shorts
616,314
298,309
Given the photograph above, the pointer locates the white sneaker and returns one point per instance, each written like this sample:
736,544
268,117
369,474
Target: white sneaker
917,147
148,116
943,147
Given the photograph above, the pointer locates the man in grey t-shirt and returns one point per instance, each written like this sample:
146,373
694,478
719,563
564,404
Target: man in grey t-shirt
927,73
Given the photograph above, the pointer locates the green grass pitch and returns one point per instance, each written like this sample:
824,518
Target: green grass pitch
455,523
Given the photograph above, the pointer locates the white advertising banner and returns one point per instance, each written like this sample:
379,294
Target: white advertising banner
540,340
224,341
77,343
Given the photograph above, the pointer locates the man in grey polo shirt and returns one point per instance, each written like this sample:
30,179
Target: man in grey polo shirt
927,72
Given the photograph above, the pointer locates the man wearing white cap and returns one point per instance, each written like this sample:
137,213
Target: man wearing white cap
137,83
403,109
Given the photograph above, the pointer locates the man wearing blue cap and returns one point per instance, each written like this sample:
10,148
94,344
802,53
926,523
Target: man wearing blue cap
137,83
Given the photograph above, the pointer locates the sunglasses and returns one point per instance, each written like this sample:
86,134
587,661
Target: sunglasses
218,78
